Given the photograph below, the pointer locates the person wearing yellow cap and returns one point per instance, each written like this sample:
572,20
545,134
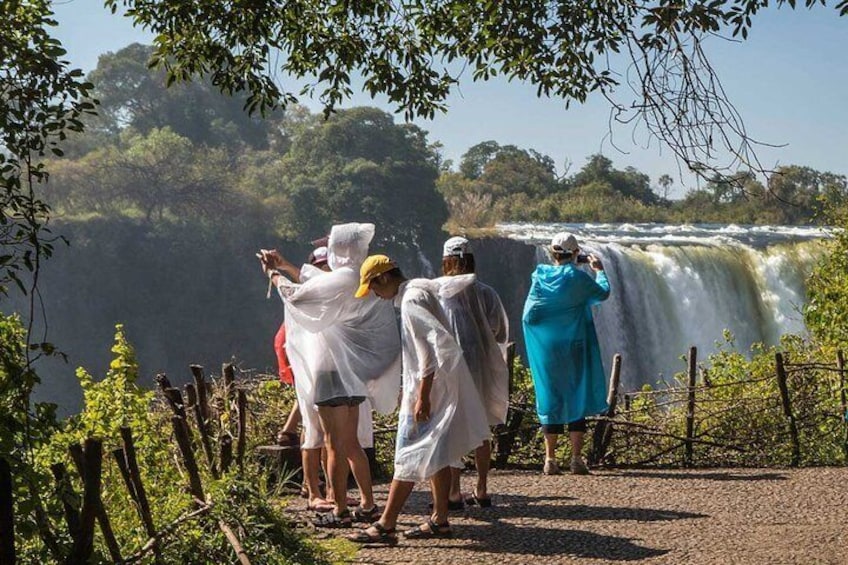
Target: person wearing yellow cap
441,417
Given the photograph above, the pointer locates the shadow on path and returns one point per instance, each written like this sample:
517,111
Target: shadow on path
709,476
538,541
522,525
540,507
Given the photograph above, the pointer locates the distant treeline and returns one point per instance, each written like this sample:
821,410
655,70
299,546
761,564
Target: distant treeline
188,153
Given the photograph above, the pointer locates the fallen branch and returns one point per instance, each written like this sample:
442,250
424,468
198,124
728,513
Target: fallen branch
154,541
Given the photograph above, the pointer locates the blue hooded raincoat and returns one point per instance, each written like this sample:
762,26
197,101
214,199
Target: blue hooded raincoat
561,343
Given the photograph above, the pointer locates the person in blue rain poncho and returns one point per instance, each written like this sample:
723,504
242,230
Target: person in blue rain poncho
562,347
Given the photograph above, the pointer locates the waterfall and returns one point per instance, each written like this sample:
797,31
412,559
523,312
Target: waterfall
678,286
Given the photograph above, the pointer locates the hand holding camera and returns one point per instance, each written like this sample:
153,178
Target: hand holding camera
595,263
270,259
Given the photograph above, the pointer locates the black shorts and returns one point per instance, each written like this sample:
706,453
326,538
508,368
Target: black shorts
342,401
577,426
328,385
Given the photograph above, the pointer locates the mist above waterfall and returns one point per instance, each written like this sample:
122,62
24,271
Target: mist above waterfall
678,286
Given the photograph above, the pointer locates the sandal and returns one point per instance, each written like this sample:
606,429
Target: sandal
366,516
433,530
481,501
331,520
383,535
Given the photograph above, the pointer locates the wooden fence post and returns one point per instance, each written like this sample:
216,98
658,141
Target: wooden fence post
628,401
196,487
506,439
7,516
228,371
225,457
181,434
843,397
172,395
78,457
92,467
202,397
128,463
787,409
70,501
205,441
690,406
602,436
241,441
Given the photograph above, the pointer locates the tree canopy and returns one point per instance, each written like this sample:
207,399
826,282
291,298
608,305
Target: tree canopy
415,53
132,94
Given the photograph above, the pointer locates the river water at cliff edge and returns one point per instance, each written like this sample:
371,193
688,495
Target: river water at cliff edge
678,286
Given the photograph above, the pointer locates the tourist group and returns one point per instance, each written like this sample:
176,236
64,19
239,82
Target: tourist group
359,336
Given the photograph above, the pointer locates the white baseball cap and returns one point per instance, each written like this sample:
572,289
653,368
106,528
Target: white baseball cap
456,247
564,242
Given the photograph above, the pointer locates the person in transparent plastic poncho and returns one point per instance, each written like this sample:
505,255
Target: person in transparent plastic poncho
359,359
480,326
441,417
305,344
563,349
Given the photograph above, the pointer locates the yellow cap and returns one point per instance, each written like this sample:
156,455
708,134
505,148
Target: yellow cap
373,267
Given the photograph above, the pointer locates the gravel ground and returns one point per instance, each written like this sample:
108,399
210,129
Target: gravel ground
767,516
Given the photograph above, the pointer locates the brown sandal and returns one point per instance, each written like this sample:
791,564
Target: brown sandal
433,530
384,535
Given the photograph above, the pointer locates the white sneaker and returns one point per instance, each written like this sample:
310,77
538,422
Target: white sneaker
578,466
551,467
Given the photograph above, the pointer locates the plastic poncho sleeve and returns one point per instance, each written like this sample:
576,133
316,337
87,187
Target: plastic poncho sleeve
599,289
319,301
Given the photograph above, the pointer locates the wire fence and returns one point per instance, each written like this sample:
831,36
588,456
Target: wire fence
795,415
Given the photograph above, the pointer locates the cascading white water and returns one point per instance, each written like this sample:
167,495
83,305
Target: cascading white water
678,286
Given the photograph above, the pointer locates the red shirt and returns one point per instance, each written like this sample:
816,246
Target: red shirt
286,374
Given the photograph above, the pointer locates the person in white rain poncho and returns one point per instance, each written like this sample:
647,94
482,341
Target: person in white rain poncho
480,326
441,417
306,344
312,440
357,358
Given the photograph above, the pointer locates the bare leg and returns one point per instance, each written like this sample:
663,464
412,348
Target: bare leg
455,489
550,445
482,460
398,493
576,443
311,460
358,460
334,421
328,488
293,420
441,484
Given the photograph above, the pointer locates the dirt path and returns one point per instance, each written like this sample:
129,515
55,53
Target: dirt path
769,516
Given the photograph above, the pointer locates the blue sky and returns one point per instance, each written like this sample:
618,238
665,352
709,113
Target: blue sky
789,81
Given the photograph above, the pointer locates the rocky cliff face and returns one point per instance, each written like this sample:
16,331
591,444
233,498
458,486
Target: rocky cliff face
506,265
189,295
